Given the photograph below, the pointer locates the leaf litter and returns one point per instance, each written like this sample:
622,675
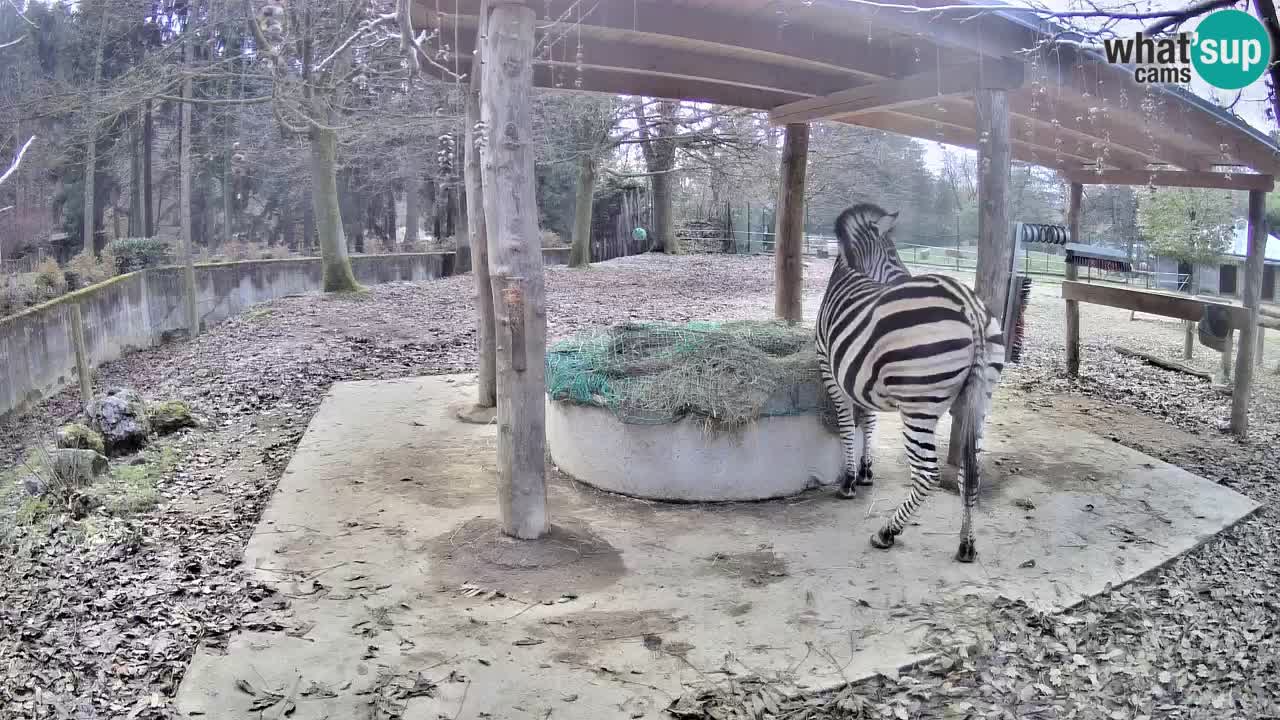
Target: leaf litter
99,618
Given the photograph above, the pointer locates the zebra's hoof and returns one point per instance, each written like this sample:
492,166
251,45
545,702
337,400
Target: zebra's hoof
865,476
881,540
968,551
847,482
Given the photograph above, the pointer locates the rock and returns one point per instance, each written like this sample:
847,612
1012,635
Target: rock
120,416
35,485
77,468
170,416
78,436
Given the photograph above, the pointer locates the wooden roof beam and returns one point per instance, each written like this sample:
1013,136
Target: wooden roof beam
1174,178
903,92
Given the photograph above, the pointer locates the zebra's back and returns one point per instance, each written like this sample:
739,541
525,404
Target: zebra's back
906,344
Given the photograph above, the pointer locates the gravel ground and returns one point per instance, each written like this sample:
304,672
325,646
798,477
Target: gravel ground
98,618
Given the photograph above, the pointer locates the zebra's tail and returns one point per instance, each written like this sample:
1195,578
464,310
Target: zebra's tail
973,410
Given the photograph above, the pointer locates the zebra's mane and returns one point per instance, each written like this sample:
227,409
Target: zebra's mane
862,249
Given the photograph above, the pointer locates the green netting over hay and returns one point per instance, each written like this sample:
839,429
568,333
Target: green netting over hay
726,374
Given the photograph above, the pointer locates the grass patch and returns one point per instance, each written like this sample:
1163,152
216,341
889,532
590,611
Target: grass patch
132,488
32,511
258,315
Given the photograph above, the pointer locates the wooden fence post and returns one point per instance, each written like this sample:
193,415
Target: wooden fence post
515,254
83,370
788,251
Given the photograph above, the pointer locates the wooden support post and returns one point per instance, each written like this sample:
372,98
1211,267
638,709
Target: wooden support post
515,256
82,356
1188,338
995,239
1074,200
788,251
1252,300
486,390
1262,340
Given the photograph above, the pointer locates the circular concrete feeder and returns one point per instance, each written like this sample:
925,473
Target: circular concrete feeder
776,456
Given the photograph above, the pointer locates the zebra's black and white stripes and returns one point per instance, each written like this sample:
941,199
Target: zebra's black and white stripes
919,345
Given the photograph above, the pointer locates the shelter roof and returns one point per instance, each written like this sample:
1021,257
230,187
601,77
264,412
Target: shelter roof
909,71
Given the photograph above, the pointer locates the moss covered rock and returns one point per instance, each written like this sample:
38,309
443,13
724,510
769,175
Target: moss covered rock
78,436
170,416
120,416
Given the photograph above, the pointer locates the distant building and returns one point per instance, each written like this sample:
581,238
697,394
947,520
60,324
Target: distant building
1226,278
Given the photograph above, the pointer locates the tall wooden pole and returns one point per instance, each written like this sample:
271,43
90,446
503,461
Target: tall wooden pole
1074,200
1252,297
487,390
83,371
515,254
995,241
788,250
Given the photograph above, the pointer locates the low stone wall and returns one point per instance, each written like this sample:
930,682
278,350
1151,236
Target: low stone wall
139,309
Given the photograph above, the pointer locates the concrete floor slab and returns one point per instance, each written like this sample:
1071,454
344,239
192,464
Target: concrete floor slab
406,601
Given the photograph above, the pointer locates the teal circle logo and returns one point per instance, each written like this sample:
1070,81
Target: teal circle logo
1232,49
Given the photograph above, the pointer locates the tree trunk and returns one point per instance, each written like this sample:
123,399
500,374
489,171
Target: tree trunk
136,221
88,232
659,148
148,211
412,204
338,276
486,396
580,252
228,195
511,215
308,224
663,222
184,182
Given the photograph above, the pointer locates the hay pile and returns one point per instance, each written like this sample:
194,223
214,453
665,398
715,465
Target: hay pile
725,374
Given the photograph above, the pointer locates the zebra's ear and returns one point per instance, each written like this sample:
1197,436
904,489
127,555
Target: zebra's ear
886,223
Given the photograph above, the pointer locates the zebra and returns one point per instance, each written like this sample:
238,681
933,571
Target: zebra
919,345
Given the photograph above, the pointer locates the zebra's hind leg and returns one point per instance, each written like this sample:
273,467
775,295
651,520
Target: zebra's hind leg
849,419
867,428
922,455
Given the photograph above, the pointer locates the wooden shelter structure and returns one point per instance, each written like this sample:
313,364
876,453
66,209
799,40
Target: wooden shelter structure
1004,82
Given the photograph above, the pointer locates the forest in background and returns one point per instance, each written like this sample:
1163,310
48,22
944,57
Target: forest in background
100,84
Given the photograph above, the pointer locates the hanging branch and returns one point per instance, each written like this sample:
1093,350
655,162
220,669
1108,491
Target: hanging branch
17,160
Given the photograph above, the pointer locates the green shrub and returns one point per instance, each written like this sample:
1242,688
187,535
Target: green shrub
140,253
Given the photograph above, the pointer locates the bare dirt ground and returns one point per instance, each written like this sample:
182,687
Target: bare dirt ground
98,618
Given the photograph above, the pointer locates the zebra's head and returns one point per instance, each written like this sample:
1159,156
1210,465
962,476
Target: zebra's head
865,234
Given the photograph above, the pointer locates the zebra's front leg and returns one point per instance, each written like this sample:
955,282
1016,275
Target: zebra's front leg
922,455
847,418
